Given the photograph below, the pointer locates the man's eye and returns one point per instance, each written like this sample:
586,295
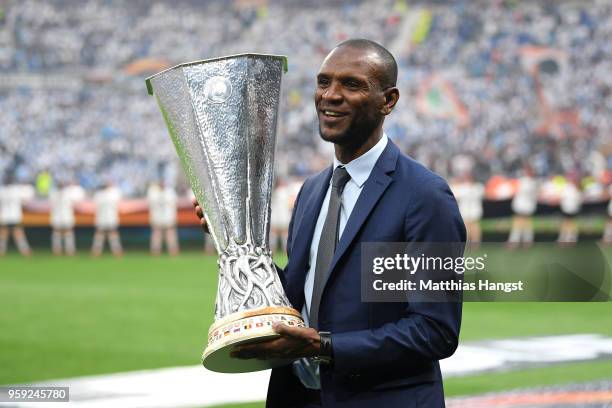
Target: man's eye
351,84
323,82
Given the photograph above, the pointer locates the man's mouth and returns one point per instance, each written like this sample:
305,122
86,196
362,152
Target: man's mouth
332,114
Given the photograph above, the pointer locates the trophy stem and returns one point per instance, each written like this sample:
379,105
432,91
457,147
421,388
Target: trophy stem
247,281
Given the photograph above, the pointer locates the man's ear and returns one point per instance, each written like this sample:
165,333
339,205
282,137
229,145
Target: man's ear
391,96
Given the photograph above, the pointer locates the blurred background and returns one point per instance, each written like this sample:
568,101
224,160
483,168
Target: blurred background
503,98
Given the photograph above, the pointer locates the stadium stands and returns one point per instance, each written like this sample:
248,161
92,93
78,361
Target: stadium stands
498,82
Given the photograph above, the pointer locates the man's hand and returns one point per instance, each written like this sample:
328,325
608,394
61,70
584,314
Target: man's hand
200,214
294,343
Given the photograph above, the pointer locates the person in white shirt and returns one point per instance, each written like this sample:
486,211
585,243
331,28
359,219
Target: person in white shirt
280,215
524,205
12,197
571,204
107,220
62,201
607,236
469,195
162,216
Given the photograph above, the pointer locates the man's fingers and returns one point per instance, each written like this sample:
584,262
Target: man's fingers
289,331
260,350
264,346
204,225
282,347
200,214
294,342
283,329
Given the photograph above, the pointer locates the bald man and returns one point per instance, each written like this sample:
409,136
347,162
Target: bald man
357,354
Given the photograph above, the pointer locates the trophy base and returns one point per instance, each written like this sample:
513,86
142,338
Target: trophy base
252,326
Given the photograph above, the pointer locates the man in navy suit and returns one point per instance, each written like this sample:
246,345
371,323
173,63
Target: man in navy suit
358,354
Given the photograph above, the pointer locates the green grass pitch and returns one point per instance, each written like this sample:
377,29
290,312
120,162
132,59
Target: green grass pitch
66,317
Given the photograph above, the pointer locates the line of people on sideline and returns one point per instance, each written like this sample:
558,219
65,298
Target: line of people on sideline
64,198
528,192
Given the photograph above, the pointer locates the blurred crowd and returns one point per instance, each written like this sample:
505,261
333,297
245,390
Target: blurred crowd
523,74
488,86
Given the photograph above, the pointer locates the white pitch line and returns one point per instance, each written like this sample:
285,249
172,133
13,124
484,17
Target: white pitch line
194,386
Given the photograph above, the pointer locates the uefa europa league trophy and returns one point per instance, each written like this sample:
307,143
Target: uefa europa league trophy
221,114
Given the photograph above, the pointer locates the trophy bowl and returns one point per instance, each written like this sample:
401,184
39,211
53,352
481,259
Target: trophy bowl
221,114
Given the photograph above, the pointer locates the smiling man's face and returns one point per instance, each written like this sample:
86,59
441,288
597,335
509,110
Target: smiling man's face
349,98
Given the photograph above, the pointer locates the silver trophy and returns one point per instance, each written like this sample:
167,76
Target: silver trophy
221,114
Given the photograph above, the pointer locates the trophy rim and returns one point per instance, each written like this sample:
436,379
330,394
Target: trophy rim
217,354
216,358
283,58
252,313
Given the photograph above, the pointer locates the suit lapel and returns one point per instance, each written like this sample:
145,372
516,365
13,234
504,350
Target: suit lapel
303,237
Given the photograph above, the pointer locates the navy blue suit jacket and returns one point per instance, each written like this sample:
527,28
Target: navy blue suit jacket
385,354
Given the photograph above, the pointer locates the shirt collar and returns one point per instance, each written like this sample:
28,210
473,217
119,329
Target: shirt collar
360,168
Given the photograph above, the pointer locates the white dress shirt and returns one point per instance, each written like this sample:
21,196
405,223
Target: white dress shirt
12,198
62,203
469,197
525,201
571,199
162,206
359,170
107,208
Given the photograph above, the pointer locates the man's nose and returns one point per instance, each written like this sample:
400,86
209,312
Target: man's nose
332,93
